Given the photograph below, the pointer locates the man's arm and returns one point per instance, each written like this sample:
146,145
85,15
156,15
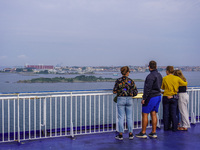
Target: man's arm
163,85
147,87
182,83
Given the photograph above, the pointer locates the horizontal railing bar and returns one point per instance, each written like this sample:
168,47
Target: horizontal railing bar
68,91
48,92
38,97
74,91
45,92
189,90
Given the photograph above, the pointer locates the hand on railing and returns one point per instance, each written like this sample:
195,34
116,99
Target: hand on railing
143,101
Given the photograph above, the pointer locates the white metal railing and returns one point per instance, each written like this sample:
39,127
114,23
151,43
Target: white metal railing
194,104
31,116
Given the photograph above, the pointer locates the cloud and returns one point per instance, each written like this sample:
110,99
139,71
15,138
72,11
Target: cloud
3,57
22,56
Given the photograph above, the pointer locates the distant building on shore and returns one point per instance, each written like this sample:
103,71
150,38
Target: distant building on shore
43,67
9,69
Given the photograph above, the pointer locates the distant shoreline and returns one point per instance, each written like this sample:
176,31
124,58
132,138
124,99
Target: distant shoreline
77,79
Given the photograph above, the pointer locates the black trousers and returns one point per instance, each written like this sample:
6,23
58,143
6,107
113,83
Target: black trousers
170,113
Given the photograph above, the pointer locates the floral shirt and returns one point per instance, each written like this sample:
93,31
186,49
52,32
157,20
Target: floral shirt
125,86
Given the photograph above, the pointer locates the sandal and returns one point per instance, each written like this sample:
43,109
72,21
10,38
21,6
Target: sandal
182,129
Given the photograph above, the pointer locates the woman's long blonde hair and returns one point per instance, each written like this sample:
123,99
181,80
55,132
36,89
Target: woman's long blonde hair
179,74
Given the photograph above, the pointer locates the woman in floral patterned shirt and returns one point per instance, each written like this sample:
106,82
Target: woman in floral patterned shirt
125,89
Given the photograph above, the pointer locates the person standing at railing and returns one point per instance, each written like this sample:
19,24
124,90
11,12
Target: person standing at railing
125,89
170,86
183,100
151,100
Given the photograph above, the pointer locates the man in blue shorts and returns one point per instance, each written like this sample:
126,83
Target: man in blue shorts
151,100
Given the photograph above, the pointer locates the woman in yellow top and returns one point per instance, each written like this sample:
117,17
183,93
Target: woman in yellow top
170,86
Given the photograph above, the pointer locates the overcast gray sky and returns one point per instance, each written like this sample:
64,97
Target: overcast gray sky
99,32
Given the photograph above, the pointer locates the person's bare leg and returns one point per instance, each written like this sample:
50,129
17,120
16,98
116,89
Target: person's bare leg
154,121
144,122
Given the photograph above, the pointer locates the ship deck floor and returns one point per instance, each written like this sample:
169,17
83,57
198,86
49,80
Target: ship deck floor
167,140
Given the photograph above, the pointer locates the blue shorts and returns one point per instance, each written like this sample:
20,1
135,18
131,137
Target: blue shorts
152,104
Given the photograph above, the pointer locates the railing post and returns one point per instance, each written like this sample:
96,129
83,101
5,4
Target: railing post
50,116
198,106
158,120
133,115
56,116
117,124
2,120
193,118
71,122
18,119
90,110
8,120
24,114
44,118
35,135
40,116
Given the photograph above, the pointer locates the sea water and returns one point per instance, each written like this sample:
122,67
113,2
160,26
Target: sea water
8,82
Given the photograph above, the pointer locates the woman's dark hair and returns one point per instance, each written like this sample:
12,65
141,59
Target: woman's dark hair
170,69
124,70
153,64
